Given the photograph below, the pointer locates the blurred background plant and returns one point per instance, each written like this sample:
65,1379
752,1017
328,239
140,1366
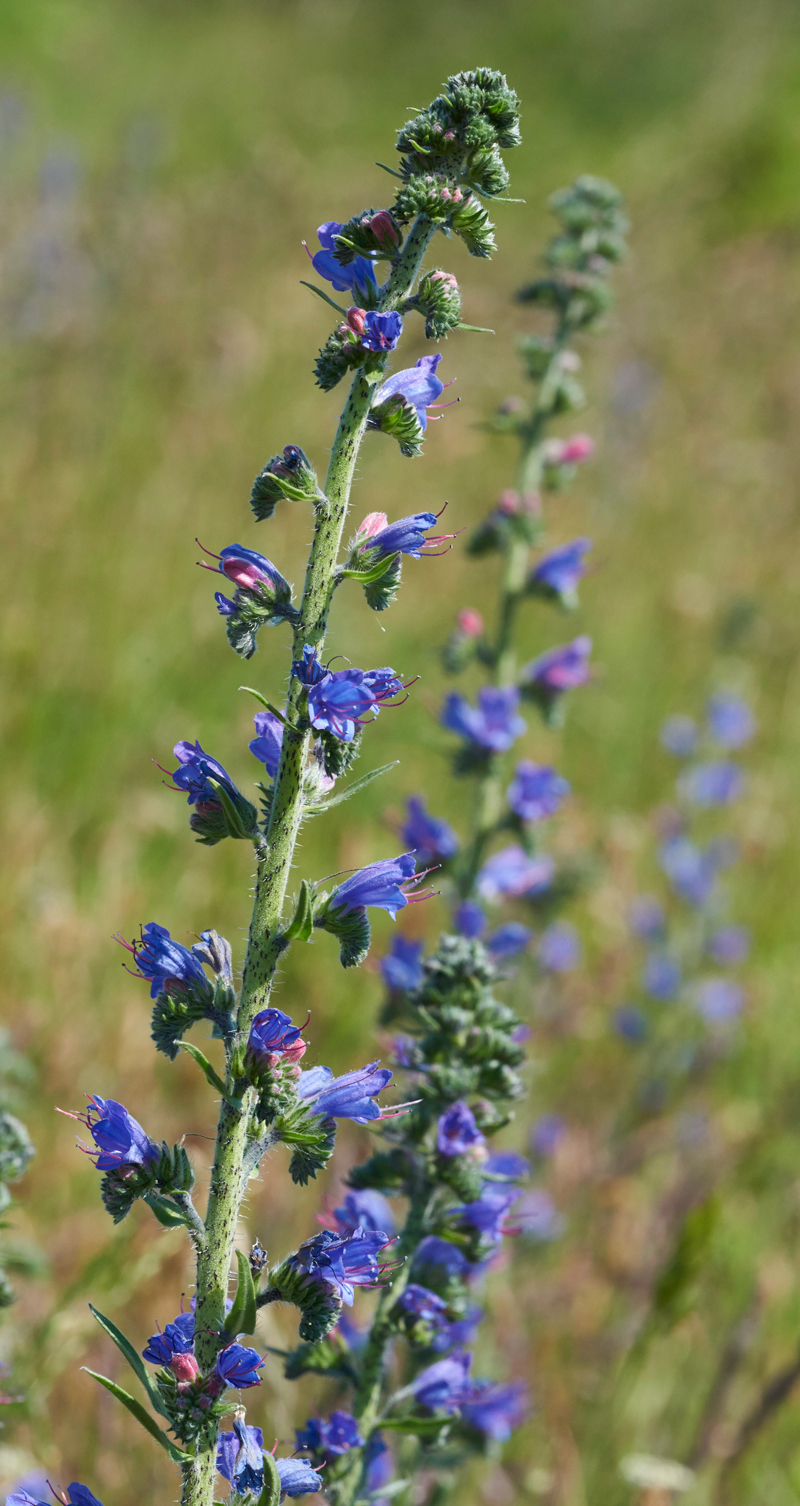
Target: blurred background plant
157,164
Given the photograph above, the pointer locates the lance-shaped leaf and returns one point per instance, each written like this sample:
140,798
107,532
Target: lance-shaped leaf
242,1316
211,1076
301,925
271,1492
167,1213
133,1357
352,789
136,1409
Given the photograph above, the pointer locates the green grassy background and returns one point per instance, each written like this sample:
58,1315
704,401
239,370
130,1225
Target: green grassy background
160,164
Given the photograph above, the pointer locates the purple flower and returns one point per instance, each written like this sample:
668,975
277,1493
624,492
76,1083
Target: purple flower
349,1097
339,701
435,1254
493,724
177,1338
630,1023
487,1214
506,1163
76,1495
366,1209
706,784
401,968
457,1132
266,746
469,919
308,670
433,840
536,791
381,331
422,1304
404,536
559,947
662,977
558,573
730,944
679,735
419,385
165,963
559,669
719,999
536,1216
238,1366
646,918
332,1438
495,1410
195,768
509,940
381,885
691,870
273,1035
342,1263
119,1138
249,571
512,872
240,1457
730,721
547,1134
298,1478
378,1466
359,272
445,1385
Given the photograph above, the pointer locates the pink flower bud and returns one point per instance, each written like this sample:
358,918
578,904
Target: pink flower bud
446,195
457,196
384,229
294,1052
184,1367
356,318
242,573
470,622
444,277
578,448
508,502
373,523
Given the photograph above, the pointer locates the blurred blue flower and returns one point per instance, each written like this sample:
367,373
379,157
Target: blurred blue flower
730,721
729,944
432,839
537,1217
493,724
334,1437
457,1132
509,940
512,872
536,791
647,918
679,735
661,978
630,1023
401,968
706,784
469,919
719,999
547,1134
495,1410
559,947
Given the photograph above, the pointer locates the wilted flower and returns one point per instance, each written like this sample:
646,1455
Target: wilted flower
240,1457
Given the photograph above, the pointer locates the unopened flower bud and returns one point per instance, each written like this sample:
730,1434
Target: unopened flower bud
184,1367
356,318
290,475
384,229
578,448
509,503
470,622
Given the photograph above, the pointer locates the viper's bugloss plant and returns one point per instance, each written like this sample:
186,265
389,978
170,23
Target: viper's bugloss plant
463,1050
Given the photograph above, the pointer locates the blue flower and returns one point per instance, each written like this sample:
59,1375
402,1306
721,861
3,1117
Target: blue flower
730,944
165,963
366,1209
76,1495
536,791
559,669
508,1164
381,885
378,1466
349,1097
487,1214
495,1410
298,1478
536,1216
422,1303
719,999
376,537
238,1366
194,771
493,724
342,1262
432,839
559,947
119,1137
457,1132
339,701
691,870
332,1438
662,976
360,270
558,573
308,670
435,1254
469,919
547,1134
512,872
646,918
630,1023
249,571
717,783
509,940
240,1457
444,1386
273,1035
419,385
381,331
177,1338
730,721
401,968
269,740
679,735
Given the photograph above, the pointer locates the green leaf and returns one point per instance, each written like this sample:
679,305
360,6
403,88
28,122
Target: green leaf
242,1316
265,702
476,329
271,1493
302,923
134,1359
177,1455
323,296
365,576
421,1427
211,1076
166,1212
353,789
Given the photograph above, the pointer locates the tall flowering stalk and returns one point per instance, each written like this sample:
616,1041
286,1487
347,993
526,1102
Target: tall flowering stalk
449,161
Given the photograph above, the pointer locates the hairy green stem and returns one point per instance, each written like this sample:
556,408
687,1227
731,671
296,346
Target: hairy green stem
274,862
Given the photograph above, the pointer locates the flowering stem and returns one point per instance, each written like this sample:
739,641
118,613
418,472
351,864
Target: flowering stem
274,860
